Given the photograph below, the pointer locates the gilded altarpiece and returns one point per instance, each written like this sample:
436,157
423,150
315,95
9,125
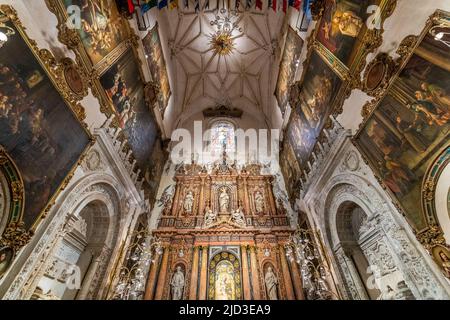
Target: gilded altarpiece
224,228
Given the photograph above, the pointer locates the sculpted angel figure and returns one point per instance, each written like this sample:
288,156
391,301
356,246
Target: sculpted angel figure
238,216
259,202
210,216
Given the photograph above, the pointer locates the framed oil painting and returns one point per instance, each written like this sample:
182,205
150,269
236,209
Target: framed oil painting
410,126
288,68
101,28
350,29
290,169
124,90
320,87
38,129
157,65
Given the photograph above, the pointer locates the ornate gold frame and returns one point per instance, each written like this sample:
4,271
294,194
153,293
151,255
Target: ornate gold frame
72,40
15,232
405,51
9,237
371,39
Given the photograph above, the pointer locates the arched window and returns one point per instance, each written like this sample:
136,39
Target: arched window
222,135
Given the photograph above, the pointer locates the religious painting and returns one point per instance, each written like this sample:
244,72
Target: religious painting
224,277
157,65
101,27
38,129
343,25
410,126
6,257
289,169
288,67
125,92
441,255
320,87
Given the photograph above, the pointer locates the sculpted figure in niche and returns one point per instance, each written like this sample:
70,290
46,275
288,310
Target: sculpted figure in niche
177,284
224,200
271,284
259,202
189,202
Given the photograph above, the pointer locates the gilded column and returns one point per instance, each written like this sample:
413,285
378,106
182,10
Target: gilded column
246,199
296,278
162,274
273,208
201,204
150,287
175,200
286,275
194,275
203,274
245,274
255,274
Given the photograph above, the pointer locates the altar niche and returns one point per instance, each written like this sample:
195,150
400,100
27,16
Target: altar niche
224,277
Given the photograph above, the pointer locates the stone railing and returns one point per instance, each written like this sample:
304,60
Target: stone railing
325,149
125,156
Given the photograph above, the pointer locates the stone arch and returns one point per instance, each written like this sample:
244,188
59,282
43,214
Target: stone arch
92,187
350,202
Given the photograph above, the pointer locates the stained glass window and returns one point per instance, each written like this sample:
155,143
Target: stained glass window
222,135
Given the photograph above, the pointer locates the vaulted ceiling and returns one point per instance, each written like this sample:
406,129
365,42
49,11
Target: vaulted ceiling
201,78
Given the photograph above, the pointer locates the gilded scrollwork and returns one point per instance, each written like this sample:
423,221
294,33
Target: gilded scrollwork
378,74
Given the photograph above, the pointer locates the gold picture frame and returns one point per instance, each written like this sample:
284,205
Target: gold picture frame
16,233
432,232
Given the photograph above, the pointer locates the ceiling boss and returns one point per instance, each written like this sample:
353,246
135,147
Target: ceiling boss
226,22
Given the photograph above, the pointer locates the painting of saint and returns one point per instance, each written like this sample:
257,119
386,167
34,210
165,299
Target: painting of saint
342,26
102,27
125,92
288,67
225,288
320,86
411,126
6,256
37,128
157,65
442,256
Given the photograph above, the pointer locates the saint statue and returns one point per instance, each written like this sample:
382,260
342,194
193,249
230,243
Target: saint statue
271,284
259,202
224,200
177,284
189,202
